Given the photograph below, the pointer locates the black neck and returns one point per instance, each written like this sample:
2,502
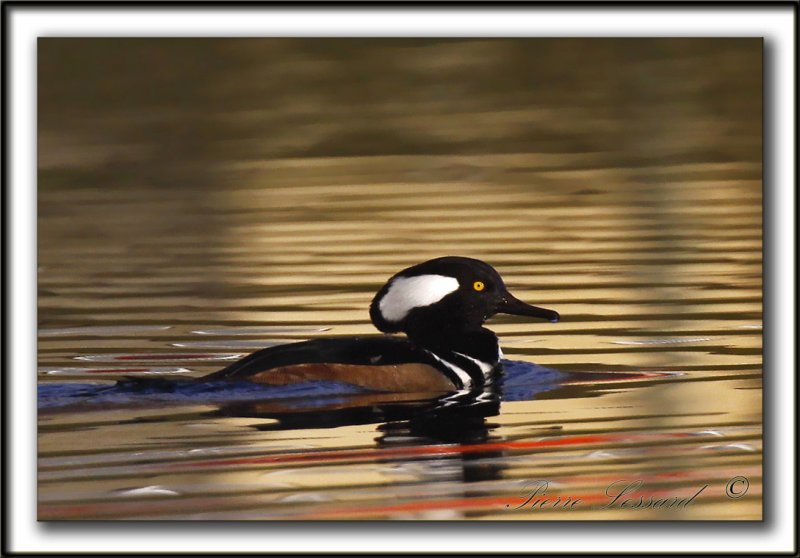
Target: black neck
480,344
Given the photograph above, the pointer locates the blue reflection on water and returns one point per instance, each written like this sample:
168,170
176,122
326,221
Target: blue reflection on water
521,381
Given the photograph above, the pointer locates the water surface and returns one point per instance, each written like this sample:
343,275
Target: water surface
197,220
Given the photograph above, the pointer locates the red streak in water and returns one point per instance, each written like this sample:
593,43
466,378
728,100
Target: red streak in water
340,455
398,452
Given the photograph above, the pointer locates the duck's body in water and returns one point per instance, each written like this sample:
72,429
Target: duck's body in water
440,305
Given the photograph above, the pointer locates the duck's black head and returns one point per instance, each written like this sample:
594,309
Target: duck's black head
446,298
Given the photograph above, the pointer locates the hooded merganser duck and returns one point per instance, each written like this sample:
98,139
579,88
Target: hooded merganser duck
440,305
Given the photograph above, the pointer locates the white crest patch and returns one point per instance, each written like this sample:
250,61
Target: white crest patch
406,293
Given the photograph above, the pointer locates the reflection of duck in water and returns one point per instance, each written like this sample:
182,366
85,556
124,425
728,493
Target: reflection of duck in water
440,305
421,437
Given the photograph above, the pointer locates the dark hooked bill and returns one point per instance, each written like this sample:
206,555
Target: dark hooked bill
514,306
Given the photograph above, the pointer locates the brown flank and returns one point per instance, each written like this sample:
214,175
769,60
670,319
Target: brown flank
413,377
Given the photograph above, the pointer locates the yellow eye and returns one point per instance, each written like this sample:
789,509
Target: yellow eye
478,285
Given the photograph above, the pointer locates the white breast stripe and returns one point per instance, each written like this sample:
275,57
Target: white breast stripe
463,376
406,293
484,366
